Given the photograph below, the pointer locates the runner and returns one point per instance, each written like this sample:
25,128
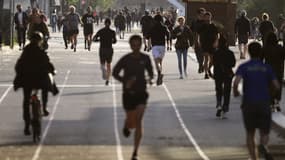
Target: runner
184,37
274,55
73,21
88,19
208,36
120,22
134,95
158,35
107,37
146,23
265,27
257,77
223,60
242,31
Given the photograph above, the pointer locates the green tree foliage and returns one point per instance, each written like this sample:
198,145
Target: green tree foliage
101,4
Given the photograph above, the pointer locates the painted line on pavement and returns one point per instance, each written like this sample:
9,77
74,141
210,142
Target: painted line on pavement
72,85
39,148
116,128
185,129
5,93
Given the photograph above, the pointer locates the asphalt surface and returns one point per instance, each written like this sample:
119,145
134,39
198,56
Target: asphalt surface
87,117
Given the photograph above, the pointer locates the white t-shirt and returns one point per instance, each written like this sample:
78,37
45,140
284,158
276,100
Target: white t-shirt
20,17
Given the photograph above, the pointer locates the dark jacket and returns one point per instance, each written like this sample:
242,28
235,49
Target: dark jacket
274,55
185,39
242,26
25,20
32,69
224,60
158,34
266,27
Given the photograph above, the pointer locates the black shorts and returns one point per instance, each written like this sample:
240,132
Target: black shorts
106,55
74,31
132,100
257,116
87,31
242,39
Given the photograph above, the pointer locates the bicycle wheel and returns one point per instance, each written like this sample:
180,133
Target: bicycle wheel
36,118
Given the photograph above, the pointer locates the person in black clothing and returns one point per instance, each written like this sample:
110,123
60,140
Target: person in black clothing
146,23
265,27
242,31
120,23
158,35
21,23
196,27
223,60
107,37
170,25
88,19
185,39
135,94
208,38
274,55
32,69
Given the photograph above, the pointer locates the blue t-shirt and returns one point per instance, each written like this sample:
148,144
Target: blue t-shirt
257,77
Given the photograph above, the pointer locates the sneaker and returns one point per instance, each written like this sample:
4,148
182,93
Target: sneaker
277,106
135,158
74,49
181,77
46,112
185,74
219,111
264,152
107,83
71,47
206,76
159,79
126,132
224,115
145,48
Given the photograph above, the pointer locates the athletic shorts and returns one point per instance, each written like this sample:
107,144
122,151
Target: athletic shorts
132,100
106,55
242,39
87,31
158,51
257,116
74,31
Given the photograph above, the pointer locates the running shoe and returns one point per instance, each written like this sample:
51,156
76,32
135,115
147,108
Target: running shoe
159,79
264,152
107,82
27,131
219,111
181,77
46,112
126,132
206,76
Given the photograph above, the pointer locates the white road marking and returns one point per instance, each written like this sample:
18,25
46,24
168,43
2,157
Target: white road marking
185,129
72,85
5,93
116,128
39,148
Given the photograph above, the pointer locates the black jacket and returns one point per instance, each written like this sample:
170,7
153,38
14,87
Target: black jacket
25,20
223,60
158,34
184,37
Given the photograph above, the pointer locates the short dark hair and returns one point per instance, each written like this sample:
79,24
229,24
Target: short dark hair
107,21
158,18
201,10
254,49
135,38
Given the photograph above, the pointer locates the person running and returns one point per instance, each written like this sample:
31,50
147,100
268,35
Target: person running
208,37
265,27
158,35
223,60
135,93
21,24
257,78
32,69
242,31
274,55
73,21
88,19
185,39
197,29
107,37
170,25
146,24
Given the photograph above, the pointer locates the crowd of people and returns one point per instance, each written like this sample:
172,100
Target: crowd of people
262,74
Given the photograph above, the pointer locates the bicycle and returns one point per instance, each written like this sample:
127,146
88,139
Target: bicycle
36,116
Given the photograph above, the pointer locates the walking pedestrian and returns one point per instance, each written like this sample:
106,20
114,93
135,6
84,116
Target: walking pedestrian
135,93
257,78
170,25
223,60
73,22
197,29
65,32
242,31
120,23
21,23
53,20
158,35
274,55
88,19
107,37
32,69
185,39
265,27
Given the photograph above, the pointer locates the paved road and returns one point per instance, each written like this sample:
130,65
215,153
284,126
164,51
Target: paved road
87,117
